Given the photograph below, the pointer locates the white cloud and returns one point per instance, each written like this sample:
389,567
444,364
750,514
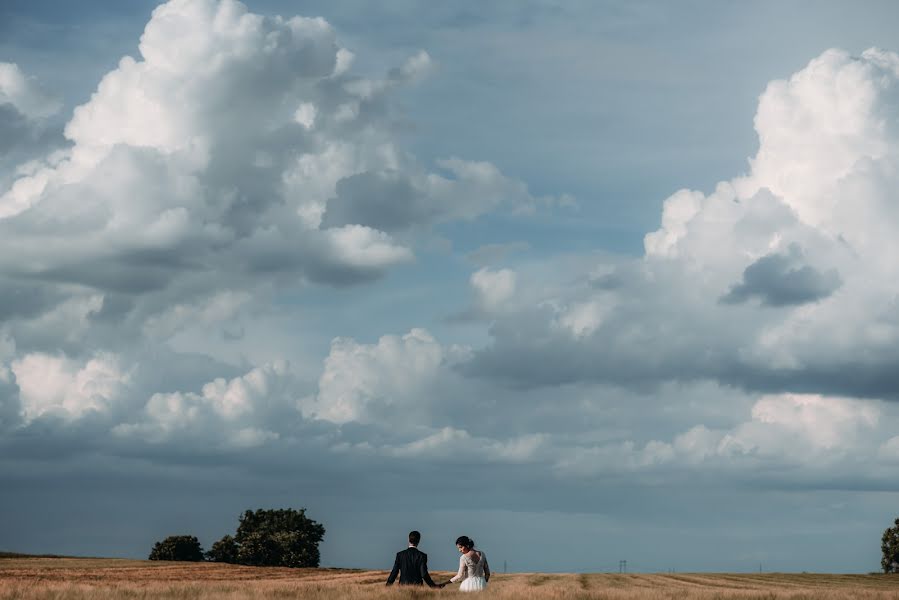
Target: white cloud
54,385
828,436
822,125
363,247
242,412
364,383
821,421
452,444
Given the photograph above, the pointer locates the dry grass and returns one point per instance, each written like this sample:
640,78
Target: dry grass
111,579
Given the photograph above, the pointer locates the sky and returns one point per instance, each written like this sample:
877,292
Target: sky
584,281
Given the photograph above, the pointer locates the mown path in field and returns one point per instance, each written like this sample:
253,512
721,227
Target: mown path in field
113,579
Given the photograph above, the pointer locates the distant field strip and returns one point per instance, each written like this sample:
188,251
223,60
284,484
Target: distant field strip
112,579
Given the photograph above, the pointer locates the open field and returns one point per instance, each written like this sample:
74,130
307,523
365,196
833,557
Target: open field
109,579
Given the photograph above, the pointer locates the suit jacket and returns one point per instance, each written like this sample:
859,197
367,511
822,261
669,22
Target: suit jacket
411,565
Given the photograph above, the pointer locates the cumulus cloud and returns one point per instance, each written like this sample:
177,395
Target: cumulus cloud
178,158
242,412
211,168
805,232
826,437
820,422
203,173
56,386
413,379
363,383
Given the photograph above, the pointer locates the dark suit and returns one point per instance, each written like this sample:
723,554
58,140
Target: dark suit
411,565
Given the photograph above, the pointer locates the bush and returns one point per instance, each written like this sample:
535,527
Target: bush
178,547
890,547
223,551
278,538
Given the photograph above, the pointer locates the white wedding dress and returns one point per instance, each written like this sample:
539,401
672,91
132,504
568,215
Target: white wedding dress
473,571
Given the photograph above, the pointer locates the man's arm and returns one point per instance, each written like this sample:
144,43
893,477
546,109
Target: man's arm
424,571
395,571
486,569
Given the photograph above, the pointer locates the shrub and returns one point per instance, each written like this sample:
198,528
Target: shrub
178,547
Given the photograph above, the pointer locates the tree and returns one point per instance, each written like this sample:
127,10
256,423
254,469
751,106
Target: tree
178,547
890,547
278,538
223,551
259,550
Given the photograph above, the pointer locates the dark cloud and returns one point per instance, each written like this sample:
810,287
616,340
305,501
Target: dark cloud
384,200
547,360
782,280
26,299
837,375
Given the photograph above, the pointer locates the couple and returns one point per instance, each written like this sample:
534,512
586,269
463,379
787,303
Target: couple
412,566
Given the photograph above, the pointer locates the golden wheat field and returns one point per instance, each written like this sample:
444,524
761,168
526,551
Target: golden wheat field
113,579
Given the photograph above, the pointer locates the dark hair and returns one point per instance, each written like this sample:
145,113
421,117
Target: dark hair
414,538
465,541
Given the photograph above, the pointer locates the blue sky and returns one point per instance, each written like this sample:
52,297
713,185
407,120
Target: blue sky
566,275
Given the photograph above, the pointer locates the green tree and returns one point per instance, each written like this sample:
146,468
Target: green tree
889,544
259,550
223,551
281,538
178,547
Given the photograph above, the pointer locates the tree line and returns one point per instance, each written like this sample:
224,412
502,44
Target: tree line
288,538
264,538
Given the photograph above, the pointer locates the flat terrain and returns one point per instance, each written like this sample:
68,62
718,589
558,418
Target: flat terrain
108,579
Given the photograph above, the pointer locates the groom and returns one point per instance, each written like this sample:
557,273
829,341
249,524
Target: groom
412,565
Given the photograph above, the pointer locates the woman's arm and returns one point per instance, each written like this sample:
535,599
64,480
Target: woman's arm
461,573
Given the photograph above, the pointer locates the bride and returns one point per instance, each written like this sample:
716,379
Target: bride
473,568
